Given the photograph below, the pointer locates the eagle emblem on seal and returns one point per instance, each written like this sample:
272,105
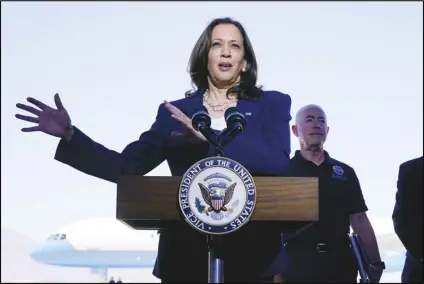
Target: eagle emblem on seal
217,197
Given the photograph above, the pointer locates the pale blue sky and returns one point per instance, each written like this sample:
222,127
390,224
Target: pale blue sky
114,63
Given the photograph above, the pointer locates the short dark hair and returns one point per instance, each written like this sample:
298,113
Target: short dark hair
198,64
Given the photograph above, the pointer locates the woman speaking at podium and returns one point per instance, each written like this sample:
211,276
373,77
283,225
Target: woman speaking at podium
223,68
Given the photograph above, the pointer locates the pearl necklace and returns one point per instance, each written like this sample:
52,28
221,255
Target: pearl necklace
218,107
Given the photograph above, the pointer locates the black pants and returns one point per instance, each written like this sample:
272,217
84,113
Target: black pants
308,265
201,276
196,276
265,280
183,255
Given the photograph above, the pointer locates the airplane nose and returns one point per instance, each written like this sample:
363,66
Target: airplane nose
35,253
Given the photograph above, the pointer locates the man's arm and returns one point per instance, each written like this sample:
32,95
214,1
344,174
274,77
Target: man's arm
362,226
359,220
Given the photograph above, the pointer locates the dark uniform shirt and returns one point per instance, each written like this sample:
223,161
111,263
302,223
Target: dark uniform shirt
340,195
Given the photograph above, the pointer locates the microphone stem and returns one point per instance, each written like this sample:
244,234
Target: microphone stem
219,152
213,140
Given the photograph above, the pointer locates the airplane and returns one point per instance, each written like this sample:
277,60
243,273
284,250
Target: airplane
99,244
103,243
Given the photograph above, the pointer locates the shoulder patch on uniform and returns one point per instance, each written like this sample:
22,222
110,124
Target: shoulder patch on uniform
338,170
338,173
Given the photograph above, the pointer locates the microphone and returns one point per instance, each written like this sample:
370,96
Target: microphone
236,122
201,120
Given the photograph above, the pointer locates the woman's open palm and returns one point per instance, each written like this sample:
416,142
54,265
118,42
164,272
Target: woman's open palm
52,121
189,132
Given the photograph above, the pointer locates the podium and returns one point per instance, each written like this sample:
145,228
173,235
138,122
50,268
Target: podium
151,202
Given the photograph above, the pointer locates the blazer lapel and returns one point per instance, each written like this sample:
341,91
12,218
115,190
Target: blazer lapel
193,104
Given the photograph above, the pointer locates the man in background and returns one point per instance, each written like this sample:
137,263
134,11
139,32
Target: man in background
321,252
408,218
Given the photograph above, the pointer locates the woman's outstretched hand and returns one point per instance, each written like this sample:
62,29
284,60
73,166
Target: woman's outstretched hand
55,122
189,132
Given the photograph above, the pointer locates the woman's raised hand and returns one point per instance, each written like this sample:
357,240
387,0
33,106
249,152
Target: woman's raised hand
55,122
189,132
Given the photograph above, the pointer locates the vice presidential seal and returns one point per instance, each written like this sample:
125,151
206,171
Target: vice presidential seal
217,195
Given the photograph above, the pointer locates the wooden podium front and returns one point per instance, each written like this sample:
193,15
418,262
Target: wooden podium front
151,202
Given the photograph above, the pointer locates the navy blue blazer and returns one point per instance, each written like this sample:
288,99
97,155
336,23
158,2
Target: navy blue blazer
408,217
263,148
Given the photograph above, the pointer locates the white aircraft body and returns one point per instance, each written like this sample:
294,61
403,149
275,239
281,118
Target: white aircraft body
99,244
